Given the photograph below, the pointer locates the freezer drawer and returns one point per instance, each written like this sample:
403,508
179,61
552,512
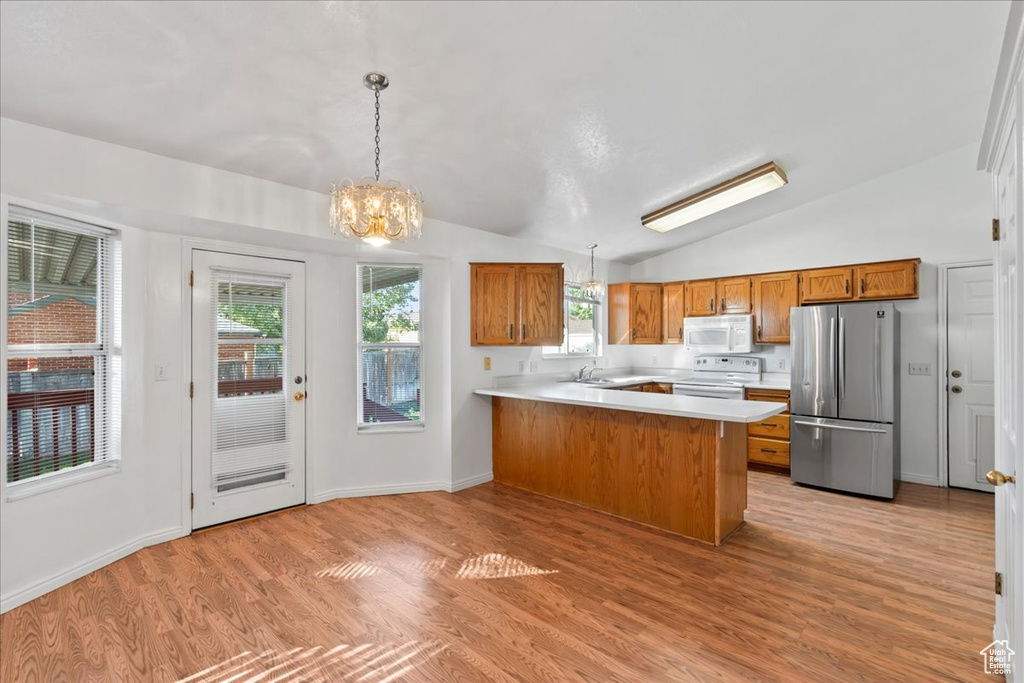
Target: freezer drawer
843,455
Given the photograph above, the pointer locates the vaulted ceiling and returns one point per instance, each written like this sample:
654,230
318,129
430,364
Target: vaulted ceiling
560,123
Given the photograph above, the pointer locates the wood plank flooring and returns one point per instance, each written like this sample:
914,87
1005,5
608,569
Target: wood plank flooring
494,583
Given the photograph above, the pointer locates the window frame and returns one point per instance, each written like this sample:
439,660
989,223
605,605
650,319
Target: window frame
598,309
107,398
387,427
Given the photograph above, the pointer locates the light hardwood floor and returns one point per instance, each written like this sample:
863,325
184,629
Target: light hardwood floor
493,583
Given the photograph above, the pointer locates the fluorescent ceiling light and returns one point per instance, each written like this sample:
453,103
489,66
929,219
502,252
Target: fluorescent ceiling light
712,200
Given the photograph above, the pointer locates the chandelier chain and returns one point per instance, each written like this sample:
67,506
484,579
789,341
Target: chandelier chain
376,138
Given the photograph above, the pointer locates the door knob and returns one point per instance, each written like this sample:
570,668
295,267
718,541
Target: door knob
997,478
956,374
956,389
299,395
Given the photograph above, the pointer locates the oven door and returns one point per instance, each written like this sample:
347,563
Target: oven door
734,393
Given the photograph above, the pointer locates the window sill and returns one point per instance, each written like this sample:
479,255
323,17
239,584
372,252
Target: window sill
389,428
59,480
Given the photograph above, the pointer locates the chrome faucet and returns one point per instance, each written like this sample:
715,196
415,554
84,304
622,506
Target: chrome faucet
583,370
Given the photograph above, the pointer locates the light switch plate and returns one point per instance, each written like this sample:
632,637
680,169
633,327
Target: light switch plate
522,367
160,372
920,368
533,367
487,362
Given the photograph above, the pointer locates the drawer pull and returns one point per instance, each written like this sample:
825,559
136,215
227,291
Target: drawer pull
768,450
768,425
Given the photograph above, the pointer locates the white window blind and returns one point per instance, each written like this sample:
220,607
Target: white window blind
63,345
390,345
251,427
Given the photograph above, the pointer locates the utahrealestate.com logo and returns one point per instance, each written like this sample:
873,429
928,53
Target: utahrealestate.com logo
998,657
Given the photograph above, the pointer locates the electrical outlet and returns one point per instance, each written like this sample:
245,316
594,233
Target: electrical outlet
781,365
160,372
487,362
654,361
533,366
522,367
920,368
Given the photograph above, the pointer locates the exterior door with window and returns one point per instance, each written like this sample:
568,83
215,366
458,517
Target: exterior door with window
248,386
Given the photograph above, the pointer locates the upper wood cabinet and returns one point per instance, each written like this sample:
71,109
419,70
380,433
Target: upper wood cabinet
734,295
634,313
774,295
673,310
826,284
516,304
701,298
892,280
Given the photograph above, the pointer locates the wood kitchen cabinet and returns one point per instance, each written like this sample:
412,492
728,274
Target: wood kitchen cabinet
890,280
768,441
673,310
634,313
734,296
774,295
826,284
516,304
701,298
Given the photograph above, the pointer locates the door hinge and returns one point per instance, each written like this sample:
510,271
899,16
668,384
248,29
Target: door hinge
192,501
995,229
191,278
999,583
191,389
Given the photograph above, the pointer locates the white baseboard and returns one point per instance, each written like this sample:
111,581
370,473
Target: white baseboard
44,586
470,482
919,479
363,491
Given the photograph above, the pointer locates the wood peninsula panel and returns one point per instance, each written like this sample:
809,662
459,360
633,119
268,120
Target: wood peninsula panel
734,295
826,284
774,295
680,474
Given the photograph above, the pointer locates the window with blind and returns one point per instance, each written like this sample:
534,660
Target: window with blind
390,345
582,315
250,407
63,361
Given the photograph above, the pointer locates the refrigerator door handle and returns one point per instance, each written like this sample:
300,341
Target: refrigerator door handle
842,357
818,425
832,354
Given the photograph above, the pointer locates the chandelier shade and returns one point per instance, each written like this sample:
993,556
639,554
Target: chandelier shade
375,212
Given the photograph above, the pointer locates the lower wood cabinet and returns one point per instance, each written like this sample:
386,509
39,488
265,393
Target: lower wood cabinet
768,441
649,388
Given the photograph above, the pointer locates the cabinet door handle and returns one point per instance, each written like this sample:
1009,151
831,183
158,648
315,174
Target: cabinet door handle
510,333
680,334
634,333
524,331
759,333
723,304
711,305
862,285
847,286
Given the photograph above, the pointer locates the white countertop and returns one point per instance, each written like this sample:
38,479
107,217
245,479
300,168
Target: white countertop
661,404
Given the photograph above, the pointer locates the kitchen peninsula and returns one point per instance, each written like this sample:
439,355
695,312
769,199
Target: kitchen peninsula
674,462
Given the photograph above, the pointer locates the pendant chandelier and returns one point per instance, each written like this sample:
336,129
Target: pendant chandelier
593,287
377,213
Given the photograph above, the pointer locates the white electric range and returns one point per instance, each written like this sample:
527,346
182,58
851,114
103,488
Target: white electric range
719,377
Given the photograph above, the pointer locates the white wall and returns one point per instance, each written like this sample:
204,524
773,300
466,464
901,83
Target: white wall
938,210
46,540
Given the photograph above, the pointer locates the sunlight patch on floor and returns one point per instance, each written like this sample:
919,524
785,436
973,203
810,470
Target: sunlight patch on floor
348,570
367,663
498,566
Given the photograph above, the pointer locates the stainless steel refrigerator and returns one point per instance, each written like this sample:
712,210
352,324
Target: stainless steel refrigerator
844,422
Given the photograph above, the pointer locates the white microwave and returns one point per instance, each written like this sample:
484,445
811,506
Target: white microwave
719,334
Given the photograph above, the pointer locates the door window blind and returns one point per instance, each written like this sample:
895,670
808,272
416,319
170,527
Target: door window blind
251,427
63,347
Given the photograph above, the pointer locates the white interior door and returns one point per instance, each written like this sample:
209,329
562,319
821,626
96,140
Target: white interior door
249,381
1009,291
970,382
